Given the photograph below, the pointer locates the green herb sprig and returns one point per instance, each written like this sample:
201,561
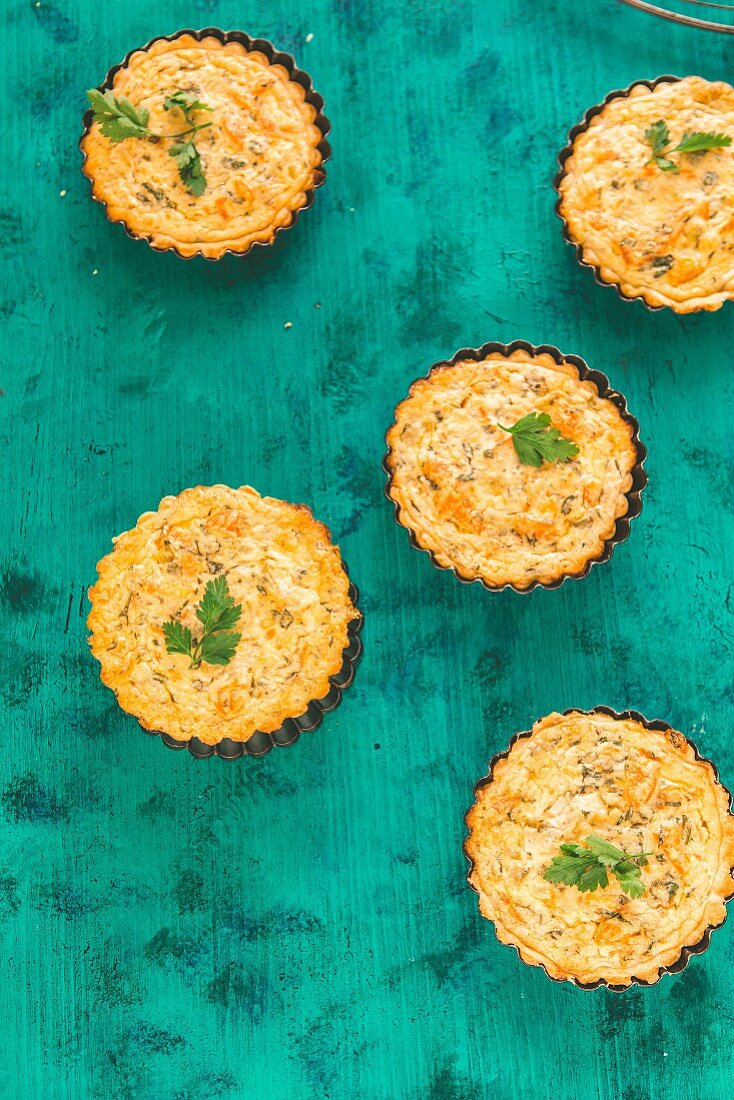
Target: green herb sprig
587,866
217,614
537,442
185,153
119,120
658,138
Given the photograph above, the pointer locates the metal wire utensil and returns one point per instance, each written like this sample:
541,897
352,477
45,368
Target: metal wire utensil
685,19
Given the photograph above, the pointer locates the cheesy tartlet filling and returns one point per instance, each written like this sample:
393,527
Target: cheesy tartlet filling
463,492
642,790
260,156
283,570
665,236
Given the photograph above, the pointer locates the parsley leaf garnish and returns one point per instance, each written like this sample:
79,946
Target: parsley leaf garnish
119,120
658,138
535,441
219,649
217,613
185,102
189,167
698,142
217,610
178,638
587,866
186,154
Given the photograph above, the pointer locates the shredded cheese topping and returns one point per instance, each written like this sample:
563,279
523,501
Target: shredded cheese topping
281,566
667,237
260,155
466,496
643,791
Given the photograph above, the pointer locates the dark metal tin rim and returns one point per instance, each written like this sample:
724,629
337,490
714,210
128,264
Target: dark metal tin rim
651,724
586,374
565,153
261,743
275,57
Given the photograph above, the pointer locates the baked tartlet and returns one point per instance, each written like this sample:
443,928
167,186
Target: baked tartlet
659,229
262,155
284,590
637,785
461,489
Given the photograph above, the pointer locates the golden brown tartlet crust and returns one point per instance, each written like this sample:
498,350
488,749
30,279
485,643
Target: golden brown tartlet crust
643,790
465,496
283,569
261,156
665,237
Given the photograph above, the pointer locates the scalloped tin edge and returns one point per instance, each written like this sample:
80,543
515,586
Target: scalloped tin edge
566,152
639,474
687,951
275,57
259,744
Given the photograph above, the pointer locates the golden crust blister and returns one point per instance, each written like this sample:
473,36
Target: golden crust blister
281,566
642,789
261,156
466,497
665,237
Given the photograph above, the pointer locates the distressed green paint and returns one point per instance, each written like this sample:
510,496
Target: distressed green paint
299,926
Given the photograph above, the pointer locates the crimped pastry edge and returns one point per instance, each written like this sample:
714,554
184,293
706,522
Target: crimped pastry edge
335,680
291,729
585,373
726,885
158,242
586,257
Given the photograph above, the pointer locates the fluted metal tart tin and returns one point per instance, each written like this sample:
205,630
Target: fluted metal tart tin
261,743
686,952
275,57
586,374
565,153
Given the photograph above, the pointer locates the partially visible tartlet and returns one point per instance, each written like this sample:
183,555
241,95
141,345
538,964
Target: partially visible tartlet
461,488
282,572
262,156
659,229
639,786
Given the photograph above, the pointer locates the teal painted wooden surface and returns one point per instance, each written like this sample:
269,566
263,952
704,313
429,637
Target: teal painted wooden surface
300,926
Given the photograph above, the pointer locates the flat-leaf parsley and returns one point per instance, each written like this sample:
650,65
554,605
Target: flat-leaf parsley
536,441
586,866
658,138
119,120
185,153
217,613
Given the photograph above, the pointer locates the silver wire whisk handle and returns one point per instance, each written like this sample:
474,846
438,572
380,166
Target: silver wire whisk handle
687,20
